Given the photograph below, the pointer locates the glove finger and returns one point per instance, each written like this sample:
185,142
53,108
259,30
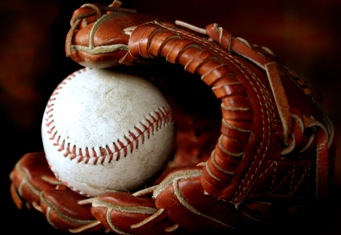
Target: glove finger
123,213
63,212
87,43
30,176
183,196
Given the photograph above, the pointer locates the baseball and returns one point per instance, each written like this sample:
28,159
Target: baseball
106,131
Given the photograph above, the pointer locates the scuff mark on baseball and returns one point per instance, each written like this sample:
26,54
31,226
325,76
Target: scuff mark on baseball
107,131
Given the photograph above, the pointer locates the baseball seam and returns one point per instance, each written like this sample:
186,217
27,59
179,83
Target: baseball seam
153,122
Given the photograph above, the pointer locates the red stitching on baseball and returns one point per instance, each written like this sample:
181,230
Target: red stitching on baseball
155,120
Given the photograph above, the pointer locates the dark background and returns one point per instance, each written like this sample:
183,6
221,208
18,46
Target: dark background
304,34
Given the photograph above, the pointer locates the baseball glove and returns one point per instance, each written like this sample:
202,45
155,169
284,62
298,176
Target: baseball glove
253,146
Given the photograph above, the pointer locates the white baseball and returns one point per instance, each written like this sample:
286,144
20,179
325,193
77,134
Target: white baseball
106,131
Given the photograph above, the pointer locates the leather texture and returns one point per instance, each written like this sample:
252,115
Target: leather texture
267,156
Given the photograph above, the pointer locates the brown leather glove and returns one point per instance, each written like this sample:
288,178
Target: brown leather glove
253,145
